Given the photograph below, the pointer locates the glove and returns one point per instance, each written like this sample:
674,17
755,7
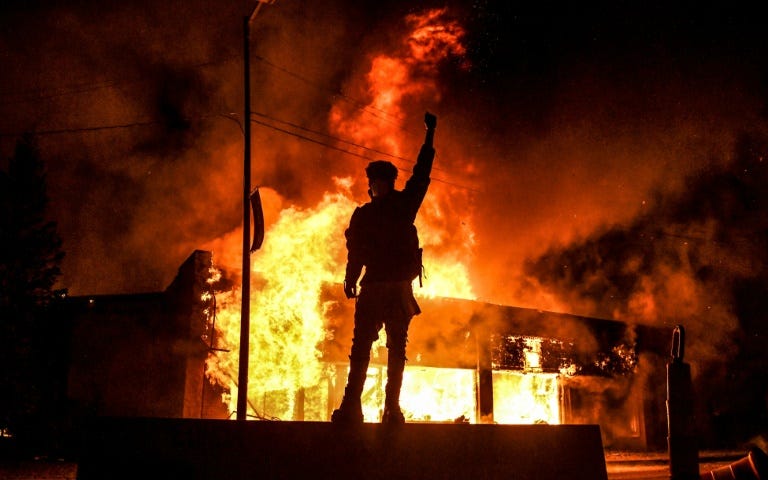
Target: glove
350,289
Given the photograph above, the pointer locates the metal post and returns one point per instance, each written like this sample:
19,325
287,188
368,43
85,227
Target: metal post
681,421
245,307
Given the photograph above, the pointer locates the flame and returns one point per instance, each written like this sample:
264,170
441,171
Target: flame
304,252
530,396
433,37
532,354
397,79
429,394
526,398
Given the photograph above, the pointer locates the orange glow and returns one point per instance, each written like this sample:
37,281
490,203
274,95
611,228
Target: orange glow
526,398
429,394
530,396
438,394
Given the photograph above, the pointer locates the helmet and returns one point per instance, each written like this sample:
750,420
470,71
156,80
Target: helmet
381,169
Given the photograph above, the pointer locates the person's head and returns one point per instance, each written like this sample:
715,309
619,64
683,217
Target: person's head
381,177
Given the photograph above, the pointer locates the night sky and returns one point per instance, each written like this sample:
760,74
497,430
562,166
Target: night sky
609,159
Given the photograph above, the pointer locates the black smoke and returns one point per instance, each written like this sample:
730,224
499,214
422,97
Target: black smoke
697,257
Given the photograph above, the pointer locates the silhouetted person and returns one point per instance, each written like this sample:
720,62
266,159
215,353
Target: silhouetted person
382,238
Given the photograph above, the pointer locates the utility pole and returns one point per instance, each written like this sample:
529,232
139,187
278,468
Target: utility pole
245,307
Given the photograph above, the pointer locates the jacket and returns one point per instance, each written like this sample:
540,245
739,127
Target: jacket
382,236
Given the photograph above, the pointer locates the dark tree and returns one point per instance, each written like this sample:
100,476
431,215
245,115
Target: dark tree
30,257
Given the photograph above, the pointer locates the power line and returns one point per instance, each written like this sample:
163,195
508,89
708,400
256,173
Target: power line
33,96
341,140
299,127
83,129
349,152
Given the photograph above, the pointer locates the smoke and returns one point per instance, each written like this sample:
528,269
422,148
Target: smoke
681,261
696,257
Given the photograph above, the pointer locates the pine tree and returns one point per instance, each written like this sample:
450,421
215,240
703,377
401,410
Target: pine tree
30,258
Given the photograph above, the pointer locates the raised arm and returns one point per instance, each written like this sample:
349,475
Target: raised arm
430,121
423,167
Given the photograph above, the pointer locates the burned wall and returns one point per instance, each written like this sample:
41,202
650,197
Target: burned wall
144,354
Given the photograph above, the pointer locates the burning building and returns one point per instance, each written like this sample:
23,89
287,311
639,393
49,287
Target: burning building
469,362
475,362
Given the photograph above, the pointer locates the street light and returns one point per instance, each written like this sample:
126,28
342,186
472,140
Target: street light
245,322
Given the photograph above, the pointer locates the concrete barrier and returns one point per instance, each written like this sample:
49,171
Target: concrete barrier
122,448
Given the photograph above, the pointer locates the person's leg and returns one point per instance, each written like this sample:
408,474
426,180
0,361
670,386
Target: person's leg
397,337
363,336
351,407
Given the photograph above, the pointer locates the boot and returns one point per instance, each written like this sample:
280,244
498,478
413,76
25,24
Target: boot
350,412
392,414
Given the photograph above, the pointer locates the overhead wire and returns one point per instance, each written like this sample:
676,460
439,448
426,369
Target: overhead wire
331,137
39,95
355,154
81,129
